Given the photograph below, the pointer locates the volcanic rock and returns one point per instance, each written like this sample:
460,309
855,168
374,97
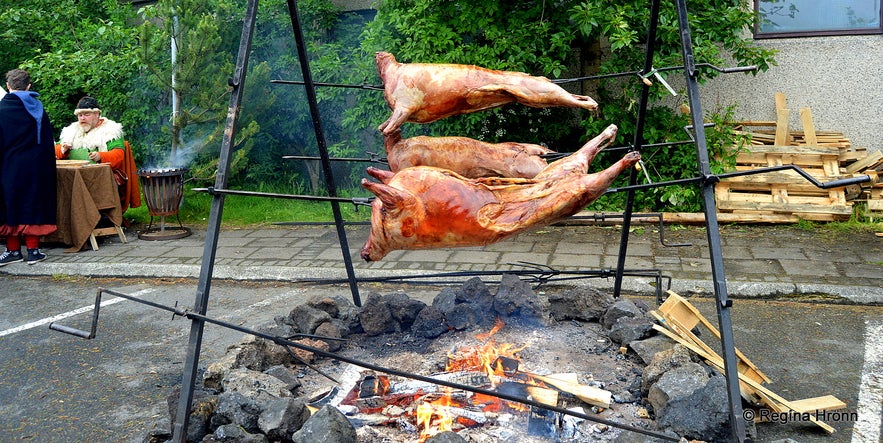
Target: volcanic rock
704,414
515,300
255,385
282,417
235,408
621,308
649,347
376,317
664,361
404,309
676,385
328,425
306,318
430,323
628,329
234,434
581,303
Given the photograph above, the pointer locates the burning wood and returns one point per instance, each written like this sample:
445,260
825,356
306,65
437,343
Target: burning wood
489,366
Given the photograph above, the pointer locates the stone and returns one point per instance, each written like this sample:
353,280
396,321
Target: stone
675,385
446,437
278,328
254,385
331,304
286,375
214,372
664,361
202,406
235,408
234,434
581,303
621,308
404,309
333,329
474,291
376,317
516,300
305,355
305,318
327,425
628,329
461,317
445,300
282,417
649,347
702,415
430,323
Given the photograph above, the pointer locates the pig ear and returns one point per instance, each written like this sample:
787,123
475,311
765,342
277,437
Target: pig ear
380,174
393,199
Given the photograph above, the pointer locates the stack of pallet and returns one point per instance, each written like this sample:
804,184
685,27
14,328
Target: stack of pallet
785,196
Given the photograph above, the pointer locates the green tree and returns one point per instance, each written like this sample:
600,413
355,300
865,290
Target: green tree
74,48
188,48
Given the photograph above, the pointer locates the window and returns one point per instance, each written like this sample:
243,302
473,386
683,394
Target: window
789,18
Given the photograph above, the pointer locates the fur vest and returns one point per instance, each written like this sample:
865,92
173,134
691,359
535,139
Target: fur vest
98,137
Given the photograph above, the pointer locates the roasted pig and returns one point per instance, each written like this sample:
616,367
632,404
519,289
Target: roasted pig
426,92
425,207
468,157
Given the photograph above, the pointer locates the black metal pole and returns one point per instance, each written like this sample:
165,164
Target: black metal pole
728,347
237,82
310,88
638,141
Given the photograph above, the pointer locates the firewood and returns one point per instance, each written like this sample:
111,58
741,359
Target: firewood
589,394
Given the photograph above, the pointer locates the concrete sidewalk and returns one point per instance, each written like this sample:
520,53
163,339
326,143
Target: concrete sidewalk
759,261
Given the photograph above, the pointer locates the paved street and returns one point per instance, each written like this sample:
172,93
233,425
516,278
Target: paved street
807,311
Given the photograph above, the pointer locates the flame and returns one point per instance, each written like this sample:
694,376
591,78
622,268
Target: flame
439,408
485,358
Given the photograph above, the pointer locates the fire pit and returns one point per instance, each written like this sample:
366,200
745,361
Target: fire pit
163,191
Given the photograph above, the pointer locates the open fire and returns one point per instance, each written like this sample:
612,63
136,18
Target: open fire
492,366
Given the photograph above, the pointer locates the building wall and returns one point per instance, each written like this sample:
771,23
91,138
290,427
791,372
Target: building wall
838,78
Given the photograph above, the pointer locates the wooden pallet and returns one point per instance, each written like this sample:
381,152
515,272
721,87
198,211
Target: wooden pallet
822,154
678,318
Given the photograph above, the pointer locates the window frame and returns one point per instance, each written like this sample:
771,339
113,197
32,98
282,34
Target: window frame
820,33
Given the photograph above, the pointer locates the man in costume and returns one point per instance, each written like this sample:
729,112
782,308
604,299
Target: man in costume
27,171
100,140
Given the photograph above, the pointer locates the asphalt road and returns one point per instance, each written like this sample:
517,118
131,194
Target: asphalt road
59,388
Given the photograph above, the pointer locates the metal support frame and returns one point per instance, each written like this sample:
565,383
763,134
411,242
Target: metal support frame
706,181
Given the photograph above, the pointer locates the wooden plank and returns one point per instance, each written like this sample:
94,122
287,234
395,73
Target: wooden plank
781,103
823,403
809,129
685,313
782,120
731,217
873,160
801,150
802,206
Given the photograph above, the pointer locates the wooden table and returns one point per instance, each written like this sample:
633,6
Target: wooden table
84,194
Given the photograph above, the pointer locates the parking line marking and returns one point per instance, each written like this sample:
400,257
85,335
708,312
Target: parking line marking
870,395
68,314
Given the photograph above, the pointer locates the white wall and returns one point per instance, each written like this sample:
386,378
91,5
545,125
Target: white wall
838,78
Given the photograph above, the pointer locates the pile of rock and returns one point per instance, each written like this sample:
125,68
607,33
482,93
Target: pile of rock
254,394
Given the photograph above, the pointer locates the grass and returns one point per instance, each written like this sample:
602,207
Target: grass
240,211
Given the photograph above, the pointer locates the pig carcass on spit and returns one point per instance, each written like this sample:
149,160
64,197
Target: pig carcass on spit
426,92
424,207
468,157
